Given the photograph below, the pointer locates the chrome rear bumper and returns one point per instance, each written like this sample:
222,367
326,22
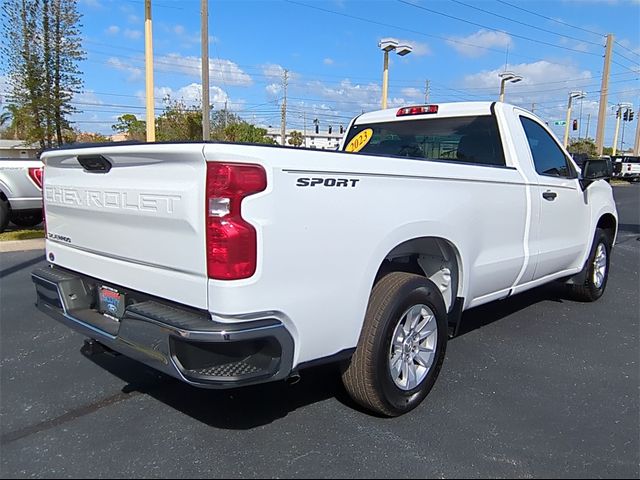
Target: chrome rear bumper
171,338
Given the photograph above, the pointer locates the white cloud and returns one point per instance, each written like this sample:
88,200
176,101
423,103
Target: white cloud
134,19
221,71
178,29
274,89
419,48
540,72
348,96
92,3
413,94
88,96
191,95
135,73
273,71
477,44
113,30
132,34
544,83
328,61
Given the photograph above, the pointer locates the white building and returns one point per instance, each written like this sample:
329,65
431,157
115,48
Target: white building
322,140
17,149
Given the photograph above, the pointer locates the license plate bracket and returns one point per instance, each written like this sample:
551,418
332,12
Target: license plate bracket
111,302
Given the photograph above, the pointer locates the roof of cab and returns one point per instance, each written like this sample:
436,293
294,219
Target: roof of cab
456,109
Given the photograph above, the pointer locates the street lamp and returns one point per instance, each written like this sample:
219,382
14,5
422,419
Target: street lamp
507,77
388,45
572,95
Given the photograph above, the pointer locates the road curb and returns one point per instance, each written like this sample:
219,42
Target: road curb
21,245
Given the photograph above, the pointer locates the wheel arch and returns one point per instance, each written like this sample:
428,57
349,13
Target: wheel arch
609,223
434,257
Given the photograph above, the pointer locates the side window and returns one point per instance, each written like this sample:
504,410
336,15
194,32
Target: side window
548,158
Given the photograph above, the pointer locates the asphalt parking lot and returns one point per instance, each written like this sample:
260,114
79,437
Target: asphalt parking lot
536,386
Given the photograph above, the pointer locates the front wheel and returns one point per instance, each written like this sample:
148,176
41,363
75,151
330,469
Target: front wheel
596,270
401,347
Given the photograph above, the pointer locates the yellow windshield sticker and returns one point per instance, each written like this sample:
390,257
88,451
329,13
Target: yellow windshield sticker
358,142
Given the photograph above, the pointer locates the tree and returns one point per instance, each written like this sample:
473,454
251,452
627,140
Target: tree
244,132
220,120
584,146
15,121
130,125
179,122
88,137
296,139
42,48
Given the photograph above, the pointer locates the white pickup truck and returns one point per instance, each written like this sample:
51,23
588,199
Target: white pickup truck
226,265
20,192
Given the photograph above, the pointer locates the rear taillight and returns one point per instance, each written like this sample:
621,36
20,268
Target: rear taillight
231,241
35,174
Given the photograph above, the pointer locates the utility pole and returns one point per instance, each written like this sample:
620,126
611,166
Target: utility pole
604,93
226,114
283,125
588,124
621,109
533,108
304,120
427,91
206,116
636,148
615,135
148,67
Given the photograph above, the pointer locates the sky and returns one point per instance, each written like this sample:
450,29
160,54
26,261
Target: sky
330,49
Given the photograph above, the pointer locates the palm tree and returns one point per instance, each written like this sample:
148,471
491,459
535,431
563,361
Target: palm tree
15,118
296,139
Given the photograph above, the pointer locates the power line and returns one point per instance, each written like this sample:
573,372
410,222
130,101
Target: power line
628,49
625,67
416,32
525,24
635,62
550,18
515,35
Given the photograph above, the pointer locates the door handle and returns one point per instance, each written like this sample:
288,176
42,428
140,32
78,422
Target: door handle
549,195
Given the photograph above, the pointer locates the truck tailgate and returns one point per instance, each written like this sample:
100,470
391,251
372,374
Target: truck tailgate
140,225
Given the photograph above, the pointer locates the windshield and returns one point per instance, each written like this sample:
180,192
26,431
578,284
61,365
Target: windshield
464,139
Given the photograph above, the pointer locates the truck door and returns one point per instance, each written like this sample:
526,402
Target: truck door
563,225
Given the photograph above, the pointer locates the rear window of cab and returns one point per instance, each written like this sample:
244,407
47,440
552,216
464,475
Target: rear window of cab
471,139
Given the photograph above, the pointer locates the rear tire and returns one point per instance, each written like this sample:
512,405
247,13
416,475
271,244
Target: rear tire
5,213
596,270
27,220
394,367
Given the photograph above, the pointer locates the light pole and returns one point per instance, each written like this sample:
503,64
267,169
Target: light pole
148,70
387,45
620,108
572,95
507,77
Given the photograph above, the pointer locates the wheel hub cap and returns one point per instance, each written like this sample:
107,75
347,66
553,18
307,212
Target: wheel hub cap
413,347
600,266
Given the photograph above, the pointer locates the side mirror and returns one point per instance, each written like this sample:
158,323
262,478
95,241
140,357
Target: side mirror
595,169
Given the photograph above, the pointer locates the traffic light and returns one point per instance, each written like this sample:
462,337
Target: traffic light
575,125
618,113
625,116
631,115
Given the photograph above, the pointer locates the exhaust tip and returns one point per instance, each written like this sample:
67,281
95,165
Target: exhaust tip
293,379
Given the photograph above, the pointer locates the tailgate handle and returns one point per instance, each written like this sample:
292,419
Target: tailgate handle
94,163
